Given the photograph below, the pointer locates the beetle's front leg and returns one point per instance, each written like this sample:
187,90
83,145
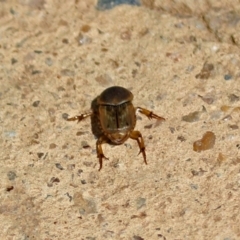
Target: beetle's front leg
80,117
149,114
100,154
136,135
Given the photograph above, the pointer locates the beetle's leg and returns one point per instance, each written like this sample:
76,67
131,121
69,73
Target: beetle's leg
149,114
100,154
80,117
136,135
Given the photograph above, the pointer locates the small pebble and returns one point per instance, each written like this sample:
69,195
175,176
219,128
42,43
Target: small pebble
233,126
207,98
233,98
104,80
83,39
84,144
68,73
40,155
79,172
52,146
148,126
10,134
53,180
126,35
221,158
206,71
87,163
35,135
65,116
70,167
59,166
137,238
49,61
192,117
38,51
36,103
199,173
181,138
8,189
141,202
207,142
11,175
69,196
83,182
13,61
51,111
215,115
227,118
108,4
227,77
85,28
194,186
80,133
34,72
65,41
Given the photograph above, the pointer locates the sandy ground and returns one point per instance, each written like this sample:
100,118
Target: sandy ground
180,59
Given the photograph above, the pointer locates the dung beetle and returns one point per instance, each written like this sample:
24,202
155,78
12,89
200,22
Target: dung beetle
116,117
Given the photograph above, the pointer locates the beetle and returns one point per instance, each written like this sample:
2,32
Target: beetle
116,118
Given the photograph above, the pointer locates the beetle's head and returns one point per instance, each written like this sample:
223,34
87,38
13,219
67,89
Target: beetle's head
118,137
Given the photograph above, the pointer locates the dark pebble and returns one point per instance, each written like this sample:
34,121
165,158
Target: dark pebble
108,4
227,77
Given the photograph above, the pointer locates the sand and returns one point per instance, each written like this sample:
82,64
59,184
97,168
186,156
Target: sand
180,59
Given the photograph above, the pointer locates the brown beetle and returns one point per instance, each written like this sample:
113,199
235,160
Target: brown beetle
116,117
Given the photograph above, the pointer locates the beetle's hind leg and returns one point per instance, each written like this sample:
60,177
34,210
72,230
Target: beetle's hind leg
149,114
80,117
136,135
100,154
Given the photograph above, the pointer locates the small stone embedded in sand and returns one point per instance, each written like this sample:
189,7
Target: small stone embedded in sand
52,145
59,166
221,158
11,175
207,142
225,108
67,72
206,71
208,98
36,103
192,117
233,98
104,80
83,39
227,77
233,126
108,4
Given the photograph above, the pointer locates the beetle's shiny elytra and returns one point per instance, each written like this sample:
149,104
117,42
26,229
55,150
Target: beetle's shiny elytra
117,119
116,114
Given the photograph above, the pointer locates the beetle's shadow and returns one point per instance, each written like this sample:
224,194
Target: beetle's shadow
96,130
95,124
